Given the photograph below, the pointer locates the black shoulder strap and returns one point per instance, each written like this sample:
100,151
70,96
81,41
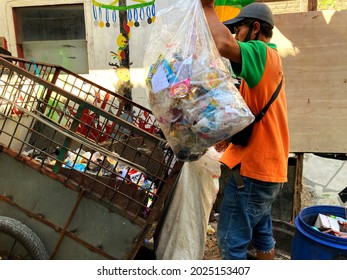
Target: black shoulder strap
274,96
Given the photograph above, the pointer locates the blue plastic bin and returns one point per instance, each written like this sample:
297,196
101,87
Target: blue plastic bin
311,244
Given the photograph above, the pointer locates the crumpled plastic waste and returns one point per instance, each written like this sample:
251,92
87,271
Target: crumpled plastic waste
97,164
43,155
191,91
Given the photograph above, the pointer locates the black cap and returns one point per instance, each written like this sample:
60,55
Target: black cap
255,10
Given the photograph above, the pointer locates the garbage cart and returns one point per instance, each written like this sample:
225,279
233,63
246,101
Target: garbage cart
84,171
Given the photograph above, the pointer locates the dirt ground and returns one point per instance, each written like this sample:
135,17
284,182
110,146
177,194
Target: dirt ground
211,248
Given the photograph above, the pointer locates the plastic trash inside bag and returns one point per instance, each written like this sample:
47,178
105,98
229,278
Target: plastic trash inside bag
191,91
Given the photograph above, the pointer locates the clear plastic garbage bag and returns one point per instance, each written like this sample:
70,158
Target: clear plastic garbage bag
191,91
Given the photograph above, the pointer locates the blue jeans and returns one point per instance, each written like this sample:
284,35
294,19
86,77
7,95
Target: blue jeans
246,217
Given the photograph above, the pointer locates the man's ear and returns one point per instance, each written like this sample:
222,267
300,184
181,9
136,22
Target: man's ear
256,27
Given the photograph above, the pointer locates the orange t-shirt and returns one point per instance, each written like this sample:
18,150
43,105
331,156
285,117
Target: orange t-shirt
265,157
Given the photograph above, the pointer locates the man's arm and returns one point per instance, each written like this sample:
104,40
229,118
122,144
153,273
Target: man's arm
224,40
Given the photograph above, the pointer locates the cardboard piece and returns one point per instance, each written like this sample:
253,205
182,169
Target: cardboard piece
324,223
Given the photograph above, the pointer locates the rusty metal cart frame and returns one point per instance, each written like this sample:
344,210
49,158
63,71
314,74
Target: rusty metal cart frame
82,168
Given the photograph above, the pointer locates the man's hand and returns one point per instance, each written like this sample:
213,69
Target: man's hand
221,146
207,3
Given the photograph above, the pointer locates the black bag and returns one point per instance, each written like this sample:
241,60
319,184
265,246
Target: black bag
241,138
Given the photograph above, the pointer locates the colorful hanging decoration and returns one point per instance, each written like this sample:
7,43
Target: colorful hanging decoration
139,12
228,9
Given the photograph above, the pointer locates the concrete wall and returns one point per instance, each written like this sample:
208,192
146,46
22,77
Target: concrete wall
295,6
283,7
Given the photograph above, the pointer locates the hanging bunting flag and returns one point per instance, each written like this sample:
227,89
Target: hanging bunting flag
228,9
139,12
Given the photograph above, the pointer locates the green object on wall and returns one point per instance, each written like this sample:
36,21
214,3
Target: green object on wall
233,3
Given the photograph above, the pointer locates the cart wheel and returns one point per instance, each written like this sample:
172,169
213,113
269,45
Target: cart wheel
18,241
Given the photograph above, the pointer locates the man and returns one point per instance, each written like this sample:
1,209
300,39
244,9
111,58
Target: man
259,169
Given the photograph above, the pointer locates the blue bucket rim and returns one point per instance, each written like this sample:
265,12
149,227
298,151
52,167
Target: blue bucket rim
325,239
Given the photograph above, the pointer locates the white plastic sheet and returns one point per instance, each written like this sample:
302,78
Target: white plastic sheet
183,233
